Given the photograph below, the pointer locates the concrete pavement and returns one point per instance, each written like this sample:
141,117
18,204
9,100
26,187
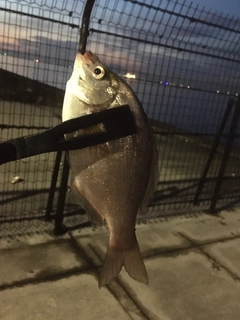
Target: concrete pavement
193,263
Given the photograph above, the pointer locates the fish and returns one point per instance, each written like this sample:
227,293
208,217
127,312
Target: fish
112,181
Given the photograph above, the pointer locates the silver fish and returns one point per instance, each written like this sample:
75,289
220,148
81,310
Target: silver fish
113,180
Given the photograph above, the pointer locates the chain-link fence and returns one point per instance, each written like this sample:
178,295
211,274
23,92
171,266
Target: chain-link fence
182,61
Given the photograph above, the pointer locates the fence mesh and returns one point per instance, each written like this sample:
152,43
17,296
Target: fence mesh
181,60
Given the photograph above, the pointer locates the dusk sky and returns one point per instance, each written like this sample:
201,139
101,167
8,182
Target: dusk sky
232,7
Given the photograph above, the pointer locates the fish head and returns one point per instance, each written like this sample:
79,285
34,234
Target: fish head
94,83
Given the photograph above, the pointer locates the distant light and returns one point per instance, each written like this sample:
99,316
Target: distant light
36,60
188,87
236,94
181,85
166,83
130,76
228,92
5,54
161,82
218,91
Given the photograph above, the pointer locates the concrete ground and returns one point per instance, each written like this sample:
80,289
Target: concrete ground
192,262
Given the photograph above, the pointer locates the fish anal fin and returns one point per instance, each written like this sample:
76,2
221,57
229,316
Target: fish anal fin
79,199
95,217
114,261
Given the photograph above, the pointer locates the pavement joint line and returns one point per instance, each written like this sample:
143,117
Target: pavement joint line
79,250
193,244
225,239
167,252
215,263
114,291
48,278
209,242
81,253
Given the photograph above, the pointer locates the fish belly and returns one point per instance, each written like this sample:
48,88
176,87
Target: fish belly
113,176
111,180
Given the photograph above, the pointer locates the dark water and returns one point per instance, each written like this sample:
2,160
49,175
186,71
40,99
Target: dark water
187,109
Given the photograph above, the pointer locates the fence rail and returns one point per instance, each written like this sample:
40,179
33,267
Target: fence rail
186,64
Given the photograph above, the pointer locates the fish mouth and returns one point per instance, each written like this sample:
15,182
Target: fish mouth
87,56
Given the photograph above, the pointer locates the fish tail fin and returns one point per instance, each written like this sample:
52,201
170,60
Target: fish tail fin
112,266
132,261
134,264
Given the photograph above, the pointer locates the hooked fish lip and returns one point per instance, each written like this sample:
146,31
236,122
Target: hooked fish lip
87,56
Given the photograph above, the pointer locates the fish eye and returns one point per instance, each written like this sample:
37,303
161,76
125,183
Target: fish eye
98,72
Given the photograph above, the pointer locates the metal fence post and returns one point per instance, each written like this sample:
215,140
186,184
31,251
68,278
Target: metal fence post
213,150
53,186
59,227
226,154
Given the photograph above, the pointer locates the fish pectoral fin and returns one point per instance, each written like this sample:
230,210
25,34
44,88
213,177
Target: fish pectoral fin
130,259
